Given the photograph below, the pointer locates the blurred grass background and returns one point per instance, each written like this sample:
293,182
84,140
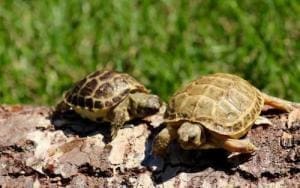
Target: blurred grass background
47,45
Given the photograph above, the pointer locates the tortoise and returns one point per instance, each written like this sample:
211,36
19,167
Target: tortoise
214,111
109,96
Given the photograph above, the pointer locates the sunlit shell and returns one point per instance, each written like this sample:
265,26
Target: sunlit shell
223,103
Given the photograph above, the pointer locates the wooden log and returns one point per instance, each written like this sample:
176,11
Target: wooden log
39,149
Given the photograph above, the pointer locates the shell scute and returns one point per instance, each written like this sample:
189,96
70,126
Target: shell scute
105,75
95,74
74,99
104,91
89,103
81,101
87,89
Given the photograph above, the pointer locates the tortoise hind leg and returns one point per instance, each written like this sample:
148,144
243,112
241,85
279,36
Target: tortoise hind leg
241,146
280,103
262,121
234,145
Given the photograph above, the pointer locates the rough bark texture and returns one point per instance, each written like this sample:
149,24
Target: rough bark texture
38,149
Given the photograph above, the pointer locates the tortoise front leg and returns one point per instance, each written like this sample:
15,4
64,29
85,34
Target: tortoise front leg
118,117
280,104
162,141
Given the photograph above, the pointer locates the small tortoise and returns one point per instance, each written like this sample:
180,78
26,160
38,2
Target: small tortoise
112,97
214,111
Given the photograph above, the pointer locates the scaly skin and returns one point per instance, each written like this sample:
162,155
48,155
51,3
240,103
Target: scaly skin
163,140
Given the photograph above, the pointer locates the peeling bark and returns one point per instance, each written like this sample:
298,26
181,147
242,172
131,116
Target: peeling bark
39,149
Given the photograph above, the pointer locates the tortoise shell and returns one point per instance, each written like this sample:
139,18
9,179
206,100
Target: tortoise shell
102,90
223,103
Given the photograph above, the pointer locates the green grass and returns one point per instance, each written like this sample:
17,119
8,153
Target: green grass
47,45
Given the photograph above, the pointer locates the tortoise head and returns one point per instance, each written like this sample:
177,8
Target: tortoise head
143,104
191,135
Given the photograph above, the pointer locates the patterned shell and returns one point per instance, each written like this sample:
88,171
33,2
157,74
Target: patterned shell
102,90
223,103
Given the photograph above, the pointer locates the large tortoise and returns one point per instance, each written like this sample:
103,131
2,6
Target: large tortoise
214,111
112,97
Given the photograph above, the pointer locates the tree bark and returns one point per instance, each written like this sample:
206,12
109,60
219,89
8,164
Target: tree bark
42,149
